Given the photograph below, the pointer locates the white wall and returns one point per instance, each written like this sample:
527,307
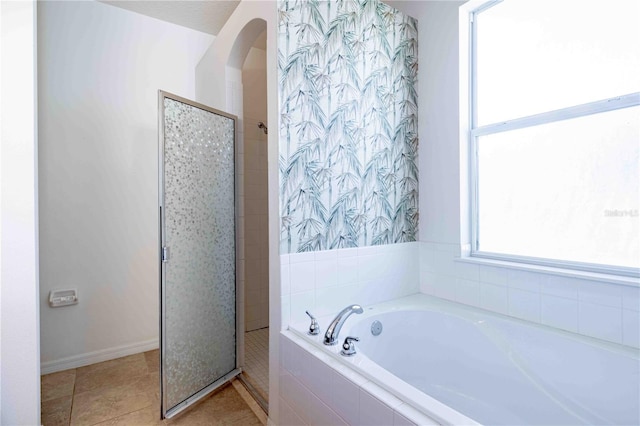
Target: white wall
256,214
19,354
100,68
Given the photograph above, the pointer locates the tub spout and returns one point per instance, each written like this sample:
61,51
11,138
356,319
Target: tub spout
331,336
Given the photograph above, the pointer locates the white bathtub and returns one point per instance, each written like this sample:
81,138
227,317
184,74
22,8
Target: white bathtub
461,365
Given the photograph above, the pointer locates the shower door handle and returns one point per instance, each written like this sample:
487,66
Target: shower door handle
165,254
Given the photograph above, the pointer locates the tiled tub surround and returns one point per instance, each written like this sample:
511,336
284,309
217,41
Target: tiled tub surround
317,389
585,305
324,282
457,359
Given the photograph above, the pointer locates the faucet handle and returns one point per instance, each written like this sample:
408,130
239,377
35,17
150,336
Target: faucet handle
314,327
348,347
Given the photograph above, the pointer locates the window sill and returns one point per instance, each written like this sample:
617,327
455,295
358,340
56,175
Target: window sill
563,272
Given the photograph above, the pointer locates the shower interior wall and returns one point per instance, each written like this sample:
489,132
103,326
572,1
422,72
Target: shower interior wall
256,236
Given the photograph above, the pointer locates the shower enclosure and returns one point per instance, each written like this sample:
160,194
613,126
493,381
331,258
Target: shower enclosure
198,315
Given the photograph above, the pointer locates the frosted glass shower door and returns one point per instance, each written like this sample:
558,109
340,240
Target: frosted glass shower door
197,237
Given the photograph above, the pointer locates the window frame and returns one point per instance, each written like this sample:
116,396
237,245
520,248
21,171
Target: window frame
472,9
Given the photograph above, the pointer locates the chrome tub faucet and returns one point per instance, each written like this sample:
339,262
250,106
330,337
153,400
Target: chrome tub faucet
331,336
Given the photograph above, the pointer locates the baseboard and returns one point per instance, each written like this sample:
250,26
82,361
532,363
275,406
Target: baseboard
97,356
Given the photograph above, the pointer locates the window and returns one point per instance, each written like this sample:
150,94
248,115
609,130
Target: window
555,133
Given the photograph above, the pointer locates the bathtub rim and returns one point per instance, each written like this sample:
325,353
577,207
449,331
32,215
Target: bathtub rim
440,414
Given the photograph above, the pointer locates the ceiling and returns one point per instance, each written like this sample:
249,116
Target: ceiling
205,16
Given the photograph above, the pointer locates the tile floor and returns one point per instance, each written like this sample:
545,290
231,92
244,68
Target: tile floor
125,391
256,360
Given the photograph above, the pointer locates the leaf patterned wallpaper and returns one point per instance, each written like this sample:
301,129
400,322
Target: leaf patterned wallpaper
347,73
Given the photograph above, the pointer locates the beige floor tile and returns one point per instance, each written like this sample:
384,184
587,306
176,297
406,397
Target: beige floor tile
56,412
56,385
106,403
153,360
149,416
126,392
224,407
110,373
248,399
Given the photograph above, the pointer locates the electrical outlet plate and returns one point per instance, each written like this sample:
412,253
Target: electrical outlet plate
58,298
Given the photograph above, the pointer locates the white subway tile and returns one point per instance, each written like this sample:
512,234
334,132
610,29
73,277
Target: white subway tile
287,416
325,416
369,250
301,257
285,280
560,312
347,252
494,298
602,322
493,275
427,260
467,271
524,280
349,294
318,377
443,263
285,353
295,395
346,372
326,255
285,311
302,276
427,283
326,303
631,298
631,328
347,270
301,302
294,363
326,272
373,412
371,268
444,287
600,294
346,399
449,248
468,292
559,286
524,304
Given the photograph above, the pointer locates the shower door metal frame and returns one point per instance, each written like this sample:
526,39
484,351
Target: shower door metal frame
164,412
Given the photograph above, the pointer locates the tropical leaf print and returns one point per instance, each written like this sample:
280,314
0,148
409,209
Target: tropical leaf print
347,72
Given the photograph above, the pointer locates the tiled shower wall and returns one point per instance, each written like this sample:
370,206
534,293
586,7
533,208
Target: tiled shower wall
591,307
256,238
